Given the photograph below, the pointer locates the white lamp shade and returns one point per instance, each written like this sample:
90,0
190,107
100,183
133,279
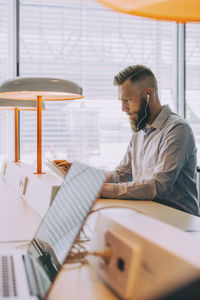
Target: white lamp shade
28,88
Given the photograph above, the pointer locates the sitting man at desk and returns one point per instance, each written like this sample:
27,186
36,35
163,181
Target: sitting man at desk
160,161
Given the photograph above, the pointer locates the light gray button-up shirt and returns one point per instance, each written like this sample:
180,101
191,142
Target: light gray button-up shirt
160,165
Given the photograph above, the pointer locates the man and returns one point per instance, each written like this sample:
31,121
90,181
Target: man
160,162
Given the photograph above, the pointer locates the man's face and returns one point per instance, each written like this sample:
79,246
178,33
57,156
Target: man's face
134,104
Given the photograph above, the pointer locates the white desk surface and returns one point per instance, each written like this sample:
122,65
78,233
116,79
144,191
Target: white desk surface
19,222
174,217
77,282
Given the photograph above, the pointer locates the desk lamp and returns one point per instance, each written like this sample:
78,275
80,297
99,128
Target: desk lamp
8,104
170,10
40,89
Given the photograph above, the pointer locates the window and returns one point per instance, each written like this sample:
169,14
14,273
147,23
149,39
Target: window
192,80
82,41
6,71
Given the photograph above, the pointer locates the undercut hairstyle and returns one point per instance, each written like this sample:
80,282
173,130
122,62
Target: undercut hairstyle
136,73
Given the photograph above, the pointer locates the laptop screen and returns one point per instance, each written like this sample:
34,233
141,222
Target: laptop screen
63,220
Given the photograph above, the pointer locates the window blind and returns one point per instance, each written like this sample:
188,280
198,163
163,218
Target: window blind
80,40
6,71
192,80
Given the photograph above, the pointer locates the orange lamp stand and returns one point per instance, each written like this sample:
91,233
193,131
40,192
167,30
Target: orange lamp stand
39,135
16,134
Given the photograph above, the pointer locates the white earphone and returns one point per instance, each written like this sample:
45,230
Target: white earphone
148,97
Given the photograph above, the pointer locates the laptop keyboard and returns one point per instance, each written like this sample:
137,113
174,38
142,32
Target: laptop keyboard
7,277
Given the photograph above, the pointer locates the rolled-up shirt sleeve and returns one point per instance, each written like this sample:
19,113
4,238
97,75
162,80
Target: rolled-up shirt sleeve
174,150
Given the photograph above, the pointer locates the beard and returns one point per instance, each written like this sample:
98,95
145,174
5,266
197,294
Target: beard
143,116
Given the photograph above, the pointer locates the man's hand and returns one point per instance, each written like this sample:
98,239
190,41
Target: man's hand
62,164
108,177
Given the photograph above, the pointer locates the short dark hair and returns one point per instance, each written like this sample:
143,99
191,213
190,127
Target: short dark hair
135,73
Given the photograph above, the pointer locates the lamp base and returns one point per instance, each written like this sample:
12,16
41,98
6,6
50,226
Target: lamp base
39,173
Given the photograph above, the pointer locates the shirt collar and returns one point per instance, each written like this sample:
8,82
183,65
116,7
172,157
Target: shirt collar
162,117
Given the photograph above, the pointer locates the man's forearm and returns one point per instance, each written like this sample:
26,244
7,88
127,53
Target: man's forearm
130,190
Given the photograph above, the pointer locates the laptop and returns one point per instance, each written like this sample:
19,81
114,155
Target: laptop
30,275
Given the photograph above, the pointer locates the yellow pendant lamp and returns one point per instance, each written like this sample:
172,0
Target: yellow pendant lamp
169,10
